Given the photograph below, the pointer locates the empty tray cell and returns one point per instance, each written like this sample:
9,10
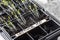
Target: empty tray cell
23,37
50,26
56,37
37,33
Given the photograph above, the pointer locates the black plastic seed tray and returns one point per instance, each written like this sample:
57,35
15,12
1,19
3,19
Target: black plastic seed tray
25,20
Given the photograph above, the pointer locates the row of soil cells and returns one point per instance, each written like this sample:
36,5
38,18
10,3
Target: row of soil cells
38,33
